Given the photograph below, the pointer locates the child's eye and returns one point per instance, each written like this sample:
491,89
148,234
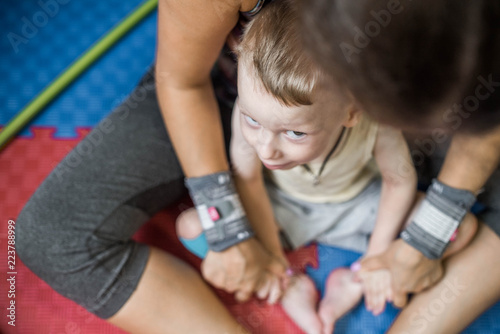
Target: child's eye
295,134
251,121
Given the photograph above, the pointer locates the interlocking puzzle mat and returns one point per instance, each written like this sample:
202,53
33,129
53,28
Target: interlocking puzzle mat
39,40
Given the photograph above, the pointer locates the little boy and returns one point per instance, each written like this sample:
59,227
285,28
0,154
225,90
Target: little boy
306,159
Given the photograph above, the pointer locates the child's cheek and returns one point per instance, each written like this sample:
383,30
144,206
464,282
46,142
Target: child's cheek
248,135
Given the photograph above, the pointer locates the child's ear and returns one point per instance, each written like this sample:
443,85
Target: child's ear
353,115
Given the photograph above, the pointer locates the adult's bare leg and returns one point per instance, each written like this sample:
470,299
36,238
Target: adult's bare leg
172,298
470,285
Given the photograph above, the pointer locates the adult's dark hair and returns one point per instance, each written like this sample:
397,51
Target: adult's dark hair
412,63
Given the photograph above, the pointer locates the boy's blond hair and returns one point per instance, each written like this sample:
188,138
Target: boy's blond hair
272,49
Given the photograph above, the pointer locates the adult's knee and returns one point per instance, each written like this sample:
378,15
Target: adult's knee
89,270
42,240
30,237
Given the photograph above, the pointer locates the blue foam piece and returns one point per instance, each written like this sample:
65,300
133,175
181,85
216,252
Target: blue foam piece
487,323
27,68
198,246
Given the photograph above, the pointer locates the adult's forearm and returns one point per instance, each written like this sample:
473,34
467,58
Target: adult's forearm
471,160
469,163
192,119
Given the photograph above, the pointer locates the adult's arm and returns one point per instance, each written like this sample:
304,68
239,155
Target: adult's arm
191,34
470,161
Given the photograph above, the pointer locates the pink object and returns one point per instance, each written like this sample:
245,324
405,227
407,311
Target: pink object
454,235
214,214
289,272
356,266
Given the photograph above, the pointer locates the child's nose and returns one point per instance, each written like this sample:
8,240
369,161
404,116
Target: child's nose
268,147
268,152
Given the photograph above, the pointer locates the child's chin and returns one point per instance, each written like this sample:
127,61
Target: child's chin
281,167
288,166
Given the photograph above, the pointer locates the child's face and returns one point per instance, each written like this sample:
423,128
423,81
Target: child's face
285,137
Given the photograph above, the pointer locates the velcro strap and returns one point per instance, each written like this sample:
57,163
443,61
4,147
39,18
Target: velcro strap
220,210
437,219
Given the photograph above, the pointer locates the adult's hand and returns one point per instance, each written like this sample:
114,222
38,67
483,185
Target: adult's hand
411,271
242,269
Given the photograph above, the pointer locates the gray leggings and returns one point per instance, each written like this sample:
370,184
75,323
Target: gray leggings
75,231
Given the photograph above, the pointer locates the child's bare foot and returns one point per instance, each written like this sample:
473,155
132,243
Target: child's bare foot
299,302
341,295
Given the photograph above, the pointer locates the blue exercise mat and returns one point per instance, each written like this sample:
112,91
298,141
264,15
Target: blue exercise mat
41,38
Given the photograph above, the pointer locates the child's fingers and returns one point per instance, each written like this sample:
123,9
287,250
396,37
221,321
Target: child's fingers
384,292
245,291
275,291
374,300
369,295
263,289
371,283
379,303
389,294
361,277
242,295
367,301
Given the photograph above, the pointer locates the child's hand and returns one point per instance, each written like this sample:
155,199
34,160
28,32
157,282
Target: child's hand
270,289
377,289
273,286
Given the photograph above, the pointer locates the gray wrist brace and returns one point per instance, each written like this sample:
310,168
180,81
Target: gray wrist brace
221,214
440,214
